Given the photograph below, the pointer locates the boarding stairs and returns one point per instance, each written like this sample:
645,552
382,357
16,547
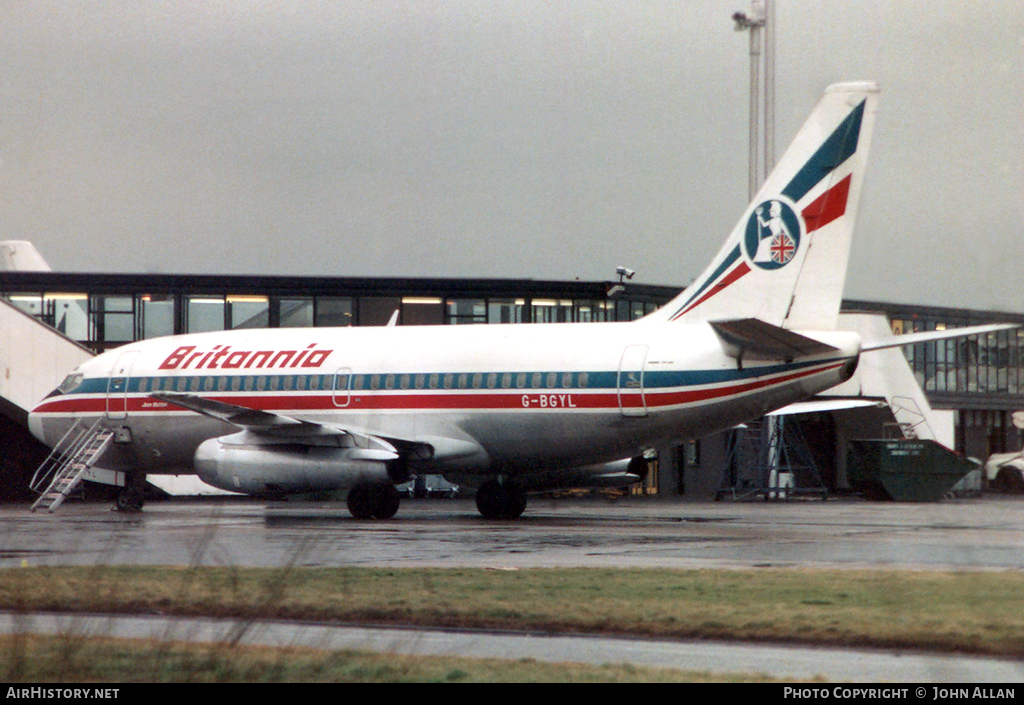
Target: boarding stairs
63,470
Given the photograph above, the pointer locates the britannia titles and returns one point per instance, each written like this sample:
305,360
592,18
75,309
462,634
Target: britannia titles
225,358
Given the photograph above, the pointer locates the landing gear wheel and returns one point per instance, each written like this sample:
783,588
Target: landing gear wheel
497,500
387,502
129,500
1010,480
373,501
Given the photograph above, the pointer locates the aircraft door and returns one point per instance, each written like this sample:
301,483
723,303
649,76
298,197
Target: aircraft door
117,385
631,381
342,387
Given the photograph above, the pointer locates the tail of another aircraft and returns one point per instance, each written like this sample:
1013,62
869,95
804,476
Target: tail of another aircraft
785,261
21,256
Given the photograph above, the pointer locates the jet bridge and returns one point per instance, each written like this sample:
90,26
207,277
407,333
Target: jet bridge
34,359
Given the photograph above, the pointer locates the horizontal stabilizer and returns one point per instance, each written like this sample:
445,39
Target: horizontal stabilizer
752,339
928,336
831,404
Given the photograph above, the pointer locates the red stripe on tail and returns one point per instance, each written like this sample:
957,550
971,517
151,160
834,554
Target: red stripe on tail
828,206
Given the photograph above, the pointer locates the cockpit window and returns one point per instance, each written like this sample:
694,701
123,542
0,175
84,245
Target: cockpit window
72,382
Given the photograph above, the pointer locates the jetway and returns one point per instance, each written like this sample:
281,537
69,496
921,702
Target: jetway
34,359
886,375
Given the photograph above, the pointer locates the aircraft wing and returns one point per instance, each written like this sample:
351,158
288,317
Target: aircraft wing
750,338
244,417
265,423
281,427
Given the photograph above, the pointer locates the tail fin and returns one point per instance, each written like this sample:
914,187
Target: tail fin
21,256
785,261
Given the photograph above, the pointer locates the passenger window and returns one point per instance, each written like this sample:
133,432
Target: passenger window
535,380
492,380
567,380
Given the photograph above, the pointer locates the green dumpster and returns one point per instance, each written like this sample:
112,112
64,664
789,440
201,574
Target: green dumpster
905,470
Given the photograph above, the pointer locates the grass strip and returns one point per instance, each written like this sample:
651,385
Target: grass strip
66,659
968,612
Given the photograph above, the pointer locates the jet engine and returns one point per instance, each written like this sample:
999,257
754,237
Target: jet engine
285,468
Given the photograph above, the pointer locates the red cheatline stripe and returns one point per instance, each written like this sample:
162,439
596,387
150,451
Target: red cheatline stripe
741,269
683,397
828,206
605,400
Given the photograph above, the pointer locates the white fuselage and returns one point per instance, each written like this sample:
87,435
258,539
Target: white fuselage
488,399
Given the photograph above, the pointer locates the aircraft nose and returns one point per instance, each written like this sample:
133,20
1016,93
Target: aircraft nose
35,426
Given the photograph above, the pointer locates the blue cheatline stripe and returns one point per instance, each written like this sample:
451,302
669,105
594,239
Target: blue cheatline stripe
594,381
726,263
834,151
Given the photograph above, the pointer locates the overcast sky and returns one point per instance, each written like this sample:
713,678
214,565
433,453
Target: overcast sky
474,138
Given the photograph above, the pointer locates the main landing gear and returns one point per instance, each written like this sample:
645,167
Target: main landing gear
500,500
369,500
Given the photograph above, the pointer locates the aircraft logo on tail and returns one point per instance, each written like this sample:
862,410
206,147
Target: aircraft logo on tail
773,235
807,191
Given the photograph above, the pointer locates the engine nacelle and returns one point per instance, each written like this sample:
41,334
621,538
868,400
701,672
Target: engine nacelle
272,469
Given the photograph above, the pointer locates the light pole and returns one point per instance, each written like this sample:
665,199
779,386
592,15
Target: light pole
761,17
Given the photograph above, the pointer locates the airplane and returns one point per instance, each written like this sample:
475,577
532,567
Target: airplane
507,409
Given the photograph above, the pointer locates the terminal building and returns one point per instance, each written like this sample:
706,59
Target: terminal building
971,385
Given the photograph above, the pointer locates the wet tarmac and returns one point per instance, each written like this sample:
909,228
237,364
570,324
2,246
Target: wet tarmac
968,534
